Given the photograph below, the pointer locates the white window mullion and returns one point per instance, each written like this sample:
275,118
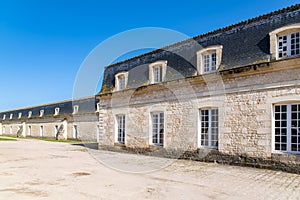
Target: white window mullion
209,128
289,121
288,44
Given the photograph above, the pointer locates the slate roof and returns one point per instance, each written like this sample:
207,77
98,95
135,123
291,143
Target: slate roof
86,105
243,43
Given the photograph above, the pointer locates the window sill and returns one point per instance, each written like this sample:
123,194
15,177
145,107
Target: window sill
285,152
208,148
156,146
118,144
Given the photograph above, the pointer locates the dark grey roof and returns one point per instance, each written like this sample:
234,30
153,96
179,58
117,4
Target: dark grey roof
86,105
244,43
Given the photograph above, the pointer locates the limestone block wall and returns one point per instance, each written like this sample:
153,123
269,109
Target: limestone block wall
245,102
86,127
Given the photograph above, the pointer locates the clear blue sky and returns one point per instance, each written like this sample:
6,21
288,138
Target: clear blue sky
44,42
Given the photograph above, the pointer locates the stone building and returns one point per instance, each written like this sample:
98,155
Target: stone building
73,119
231,95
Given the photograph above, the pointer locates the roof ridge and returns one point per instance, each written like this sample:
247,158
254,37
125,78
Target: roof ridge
49,104
226,28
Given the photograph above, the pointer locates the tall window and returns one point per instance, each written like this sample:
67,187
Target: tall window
10,130
41,131
121,128
209,130
288,45
4,116
19,115
157,74
209,62
287,127
29,130
75,132
158,128
3,129
55,130
10,116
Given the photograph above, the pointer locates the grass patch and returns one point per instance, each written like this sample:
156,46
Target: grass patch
7,139
65,141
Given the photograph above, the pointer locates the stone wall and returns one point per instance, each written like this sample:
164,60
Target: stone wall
245,102
86,127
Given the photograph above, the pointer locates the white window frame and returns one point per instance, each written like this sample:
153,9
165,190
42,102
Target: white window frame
209,51
56,111
120,128
153,66
98,107
274,40
42,113
19,115
210,126
11,116
75,131
4,116
3,129
41,131
118,85
75,109
288,127
29,114
29,130
56,127
10,130
159,137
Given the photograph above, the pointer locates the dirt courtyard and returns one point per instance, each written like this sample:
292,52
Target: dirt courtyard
33,169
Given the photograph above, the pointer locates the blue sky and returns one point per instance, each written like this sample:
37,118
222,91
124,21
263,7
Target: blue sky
43,43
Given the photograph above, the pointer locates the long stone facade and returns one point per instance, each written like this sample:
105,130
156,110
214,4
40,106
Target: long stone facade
229,96
75,119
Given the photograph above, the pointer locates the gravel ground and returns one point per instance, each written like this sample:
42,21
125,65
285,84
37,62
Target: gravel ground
32,169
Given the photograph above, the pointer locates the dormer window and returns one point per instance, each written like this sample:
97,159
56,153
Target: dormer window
20,115
41,113
10,116
29,114
75,109
4,116
56,111
285,42
209,59
157,71
121,81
